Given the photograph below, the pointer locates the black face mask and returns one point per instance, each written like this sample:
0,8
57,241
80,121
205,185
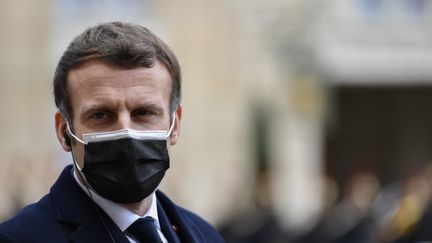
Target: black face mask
125,166
125,170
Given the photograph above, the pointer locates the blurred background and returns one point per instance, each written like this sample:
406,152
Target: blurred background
304,120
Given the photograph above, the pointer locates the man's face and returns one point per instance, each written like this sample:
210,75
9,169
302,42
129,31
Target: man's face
108,98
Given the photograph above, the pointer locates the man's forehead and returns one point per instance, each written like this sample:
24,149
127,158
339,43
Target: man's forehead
98,73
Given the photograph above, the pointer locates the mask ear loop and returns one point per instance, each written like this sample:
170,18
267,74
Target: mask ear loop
73,135
172,125
86,184
73,157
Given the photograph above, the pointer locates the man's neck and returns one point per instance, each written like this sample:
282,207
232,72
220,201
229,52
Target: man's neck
141,207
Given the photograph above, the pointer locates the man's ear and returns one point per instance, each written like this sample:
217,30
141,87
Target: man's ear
176,129
60,125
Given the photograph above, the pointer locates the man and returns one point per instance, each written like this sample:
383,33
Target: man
117,88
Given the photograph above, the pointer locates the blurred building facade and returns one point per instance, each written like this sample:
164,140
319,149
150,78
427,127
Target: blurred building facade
285,68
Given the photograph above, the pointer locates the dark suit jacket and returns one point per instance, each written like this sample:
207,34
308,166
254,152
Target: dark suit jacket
67,214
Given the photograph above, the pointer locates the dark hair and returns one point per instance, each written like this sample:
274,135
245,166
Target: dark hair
122,44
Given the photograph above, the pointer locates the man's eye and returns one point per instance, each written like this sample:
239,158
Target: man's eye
98,115
142,113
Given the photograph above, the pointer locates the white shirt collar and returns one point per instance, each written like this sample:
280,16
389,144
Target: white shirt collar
120,215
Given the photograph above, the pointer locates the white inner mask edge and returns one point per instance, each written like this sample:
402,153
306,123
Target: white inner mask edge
124,133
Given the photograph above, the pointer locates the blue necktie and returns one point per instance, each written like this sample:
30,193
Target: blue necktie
144,230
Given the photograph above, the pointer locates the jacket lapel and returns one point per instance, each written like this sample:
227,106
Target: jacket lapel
82,218
94,228
186,231
168,229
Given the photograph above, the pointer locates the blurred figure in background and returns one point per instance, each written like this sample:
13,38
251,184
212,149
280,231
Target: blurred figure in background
411,218
257,224
348,221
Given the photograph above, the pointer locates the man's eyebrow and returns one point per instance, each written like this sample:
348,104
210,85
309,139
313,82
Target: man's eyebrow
94,108
103,107
150,106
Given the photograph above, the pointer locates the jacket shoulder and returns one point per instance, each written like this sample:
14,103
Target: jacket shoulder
4,238
35,221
